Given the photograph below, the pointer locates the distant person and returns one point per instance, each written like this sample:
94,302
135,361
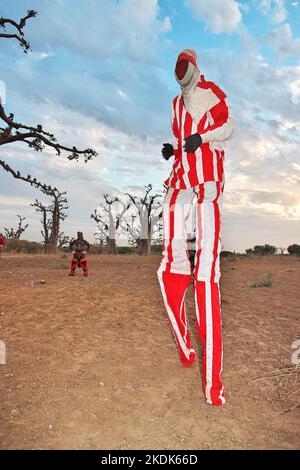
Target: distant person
201,121
80,248
2,242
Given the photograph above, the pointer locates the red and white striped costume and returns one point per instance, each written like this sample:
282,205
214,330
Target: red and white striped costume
196,182
215,125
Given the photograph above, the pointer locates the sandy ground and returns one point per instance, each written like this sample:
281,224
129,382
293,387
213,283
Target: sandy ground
91,362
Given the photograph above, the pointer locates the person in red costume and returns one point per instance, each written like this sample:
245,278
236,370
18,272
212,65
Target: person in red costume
80,248
2,242
201,120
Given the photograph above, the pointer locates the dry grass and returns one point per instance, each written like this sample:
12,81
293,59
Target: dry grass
282,385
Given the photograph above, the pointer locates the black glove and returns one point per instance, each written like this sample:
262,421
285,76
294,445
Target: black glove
167,151
192,143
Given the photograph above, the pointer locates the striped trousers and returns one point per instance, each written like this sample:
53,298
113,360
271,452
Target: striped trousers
195,209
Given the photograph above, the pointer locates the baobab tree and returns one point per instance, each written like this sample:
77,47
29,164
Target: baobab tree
52,216
108,217
16,233
148,215
33,136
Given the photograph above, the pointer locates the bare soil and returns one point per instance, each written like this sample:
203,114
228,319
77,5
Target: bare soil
91,362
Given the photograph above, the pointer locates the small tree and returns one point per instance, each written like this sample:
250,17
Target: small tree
16,233
52,216
262,250
294,249
148,215
109,220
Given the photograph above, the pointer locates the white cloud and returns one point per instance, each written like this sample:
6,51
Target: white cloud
221,16
99,29
274,9
122,94
283,43
295,91
280,12
166,25
264,6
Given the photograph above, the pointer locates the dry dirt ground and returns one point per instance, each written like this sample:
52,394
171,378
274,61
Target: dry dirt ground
91,362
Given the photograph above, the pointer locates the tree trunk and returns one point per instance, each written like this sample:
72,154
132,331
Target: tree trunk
149,239
111,246
55,228
142,246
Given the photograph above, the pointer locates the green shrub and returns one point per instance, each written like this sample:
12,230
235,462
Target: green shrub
262,250
156,249
267,282
294,249
126,250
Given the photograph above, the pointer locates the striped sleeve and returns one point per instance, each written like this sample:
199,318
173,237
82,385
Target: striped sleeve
174,126
223,123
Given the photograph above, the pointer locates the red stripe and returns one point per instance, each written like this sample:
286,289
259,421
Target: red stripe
217,91
217,345
217,233
191,157
181,169
207,163
201,302
219,165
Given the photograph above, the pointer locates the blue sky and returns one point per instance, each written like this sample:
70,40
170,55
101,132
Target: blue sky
100,74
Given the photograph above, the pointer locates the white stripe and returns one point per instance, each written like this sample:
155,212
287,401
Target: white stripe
184,154
197,308
172,317
208,238
177,111
198,234
210,118
166,226
217,265
182,317
215,164
209,340
221,396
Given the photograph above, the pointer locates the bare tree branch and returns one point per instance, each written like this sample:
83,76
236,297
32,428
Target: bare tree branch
16,234
46,189
37,138
19,27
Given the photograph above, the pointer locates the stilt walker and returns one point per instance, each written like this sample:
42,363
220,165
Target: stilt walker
79,247
201,121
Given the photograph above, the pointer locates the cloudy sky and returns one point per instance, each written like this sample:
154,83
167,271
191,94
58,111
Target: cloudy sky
100,75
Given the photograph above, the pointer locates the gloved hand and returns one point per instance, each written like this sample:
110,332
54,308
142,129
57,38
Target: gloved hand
167,151
192,143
